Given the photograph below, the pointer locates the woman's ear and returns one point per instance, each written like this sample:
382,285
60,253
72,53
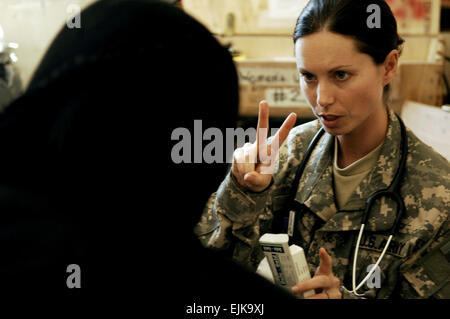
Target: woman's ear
390,66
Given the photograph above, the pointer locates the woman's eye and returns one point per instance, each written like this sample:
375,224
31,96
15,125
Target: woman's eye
342,75
308,77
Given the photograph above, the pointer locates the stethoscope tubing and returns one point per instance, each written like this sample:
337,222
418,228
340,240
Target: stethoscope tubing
355,258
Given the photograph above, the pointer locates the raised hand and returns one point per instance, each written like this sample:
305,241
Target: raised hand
254,163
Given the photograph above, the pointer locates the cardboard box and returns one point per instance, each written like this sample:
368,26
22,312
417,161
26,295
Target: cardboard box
277,82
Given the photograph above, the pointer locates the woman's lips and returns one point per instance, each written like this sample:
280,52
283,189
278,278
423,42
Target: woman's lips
330,120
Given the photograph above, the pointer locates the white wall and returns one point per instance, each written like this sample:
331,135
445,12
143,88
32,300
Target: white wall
33,24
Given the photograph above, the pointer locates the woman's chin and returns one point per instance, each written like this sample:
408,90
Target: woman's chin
334,130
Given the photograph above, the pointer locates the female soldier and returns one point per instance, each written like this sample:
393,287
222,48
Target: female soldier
345,67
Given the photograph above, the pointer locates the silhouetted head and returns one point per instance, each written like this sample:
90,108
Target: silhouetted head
93,136
133,73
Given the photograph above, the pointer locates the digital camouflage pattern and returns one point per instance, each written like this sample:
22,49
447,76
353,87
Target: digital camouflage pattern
417,263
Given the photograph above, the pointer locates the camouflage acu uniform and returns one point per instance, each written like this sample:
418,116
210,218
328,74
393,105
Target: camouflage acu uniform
417,263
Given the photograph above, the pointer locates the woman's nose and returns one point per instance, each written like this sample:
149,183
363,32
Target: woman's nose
324,95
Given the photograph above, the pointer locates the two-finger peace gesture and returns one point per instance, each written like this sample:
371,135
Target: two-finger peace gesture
254,163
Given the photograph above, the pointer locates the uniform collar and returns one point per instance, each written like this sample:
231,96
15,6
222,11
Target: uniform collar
316,185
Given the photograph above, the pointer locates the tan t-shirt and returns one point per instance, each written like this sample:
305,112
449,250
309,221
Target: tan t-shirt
347,179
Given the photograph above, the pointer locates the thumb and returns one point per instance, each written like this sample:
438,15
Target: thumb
326,263
254,179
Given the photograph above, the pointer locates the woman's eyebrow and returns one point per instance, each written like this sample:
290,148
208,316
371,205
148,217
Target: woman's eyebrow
340,66
302,70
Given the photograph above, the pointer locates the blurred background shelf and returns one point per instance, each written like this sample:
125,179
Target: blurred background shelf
261,31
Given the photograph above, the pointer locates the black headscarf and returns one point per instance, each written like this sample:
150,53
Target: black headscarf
88,148
106,98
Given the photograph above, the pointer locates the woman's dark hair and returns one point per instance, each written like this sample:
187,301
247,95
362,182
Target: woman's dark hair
349,18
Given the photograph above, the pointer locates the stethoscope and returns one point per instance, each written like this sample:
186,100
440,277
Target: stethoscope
393,192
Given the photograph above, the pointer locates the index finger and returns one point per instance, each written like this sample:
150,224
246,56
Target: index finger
263,126
326,263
